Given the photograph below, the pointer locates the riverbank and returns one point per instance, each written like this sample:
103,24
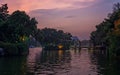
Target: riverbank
13,49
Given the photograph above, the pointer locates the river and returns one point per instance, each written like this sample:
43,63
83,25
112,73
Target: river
59,62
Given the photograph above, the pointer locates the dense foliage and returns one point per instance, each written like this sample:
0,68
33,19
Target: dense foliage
18,27
49,36
14,48
15,30
107,33
15,27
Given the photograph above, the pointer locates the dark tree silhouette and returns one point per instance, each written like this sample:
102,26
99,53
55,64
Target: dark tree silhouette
107,33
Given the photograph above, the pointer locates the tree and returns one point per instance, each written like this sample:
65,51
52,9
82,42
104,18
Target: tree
17,26
48,36
108,32
3,17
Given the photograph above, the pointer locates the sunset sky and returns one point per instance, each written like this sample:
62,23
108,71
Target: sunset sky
78,17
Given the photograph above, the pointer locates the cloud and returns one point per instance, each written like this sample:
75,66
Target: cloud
29,5
82,4
78,17
70,16
72,1
76,3
44,11
74,20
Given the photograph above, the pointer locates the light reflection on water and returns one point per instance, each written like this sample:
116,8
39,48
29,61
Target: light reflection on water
52,62
68,62
60,62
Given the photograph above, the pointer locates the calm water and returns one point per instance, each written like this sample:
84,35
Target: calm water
69,62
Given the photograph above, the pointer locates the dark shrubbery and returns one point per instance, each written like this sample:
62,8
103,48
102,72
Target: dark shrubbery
107,33
48,36
14,48
15,30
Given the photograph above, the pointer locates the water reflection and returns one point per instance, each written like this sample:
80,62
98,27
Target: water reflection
12,66
60,62
53,62
81,64
105,65
34,54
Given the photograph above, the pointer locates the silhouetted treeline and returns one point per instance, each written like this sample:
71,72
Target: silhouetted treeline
15,30
107,33
52,36
15,27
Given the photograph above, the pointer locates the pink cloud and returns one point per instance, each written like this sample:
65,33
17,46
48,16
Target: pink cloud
28,5
78,17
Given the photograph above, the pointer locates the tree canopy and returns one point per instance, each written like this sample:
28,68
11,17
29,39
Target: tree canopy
16,26
52,36
107,33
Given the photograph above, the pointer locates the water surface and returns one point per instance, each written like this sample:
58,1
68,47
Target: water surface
60,62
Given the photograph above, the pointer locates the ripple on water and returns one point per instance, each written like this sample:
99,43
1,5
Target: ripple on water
69,62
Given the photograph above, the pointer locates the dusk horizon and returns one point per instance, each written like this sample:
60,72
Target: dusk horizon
59,37
78,17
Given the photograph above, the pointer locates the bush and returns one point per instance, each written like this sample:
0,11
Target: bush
14,48
23,48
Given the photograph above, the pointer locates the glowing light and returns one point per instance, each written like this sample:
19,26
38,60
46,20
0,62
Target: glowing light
22,38
60,46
